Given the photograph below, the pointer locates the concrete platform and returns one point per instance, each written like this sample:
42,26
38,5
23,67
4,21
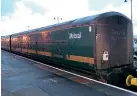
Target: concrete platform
21,77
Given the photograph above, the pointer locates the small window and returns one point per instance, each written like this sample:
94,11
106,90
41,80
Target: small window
90,28
119,20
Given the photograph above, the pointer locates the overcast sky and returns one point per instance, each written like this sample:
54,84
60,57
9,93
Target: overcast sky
18,14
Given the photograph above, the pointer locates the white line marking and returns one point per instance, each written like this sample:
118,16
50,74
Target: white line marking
78,75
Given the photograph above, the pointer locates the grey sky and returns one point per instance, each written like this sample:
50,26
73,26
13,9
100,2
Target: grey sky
36,8
99,4
39,11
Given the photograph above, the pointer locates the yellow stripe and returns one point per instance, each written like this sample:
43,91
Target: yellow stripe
39,52
45,53
81,59
24,50
31,51
71,57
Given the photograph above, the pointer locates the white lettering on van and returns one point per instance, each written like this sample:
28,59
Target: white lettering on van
74,35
